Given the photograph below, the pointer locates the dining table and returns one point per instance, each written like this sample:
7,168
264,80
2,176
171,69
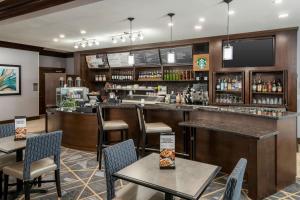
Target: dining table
188,180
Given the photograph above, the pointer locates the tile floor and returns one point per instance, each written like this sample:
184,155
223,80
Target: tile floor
81,179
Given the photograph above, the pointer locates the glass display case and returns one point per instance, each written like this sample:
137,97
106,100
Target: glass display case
71,96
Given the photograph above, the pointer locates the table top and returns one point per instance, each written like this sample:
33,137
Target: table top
188,180
232,128
9,145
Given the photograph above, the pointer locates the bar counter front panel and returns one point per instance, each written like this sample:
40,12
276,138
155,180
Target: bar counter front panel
271,157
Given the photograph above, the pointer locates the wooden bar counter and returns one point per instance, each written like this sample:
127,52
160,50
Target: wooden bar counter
223,136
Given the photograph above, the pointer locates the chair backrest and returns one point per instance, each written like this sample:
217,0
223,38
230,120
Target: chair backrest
117,157
7,130
234,183
100,119
141,118
40,147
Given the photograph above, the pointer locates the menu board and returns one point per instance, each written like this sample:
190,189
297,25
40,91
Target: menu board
167,151
20,128
146,57
183,55
118,59
97,61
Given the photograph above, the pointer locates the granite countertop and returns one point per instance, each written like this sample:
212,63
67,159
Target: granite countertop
160,106
232,128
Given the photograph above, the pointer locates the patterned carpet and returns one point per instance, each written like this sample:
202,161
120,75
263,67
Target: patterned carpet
81,180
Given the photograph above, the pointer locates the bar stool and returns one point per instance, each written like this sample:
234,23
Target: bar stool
107,126
148,128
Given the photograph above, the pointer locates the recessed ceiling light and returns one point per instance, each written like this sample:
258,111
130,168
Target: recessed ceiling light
170,24
283,15
76,46
277,1
55,40
197,27
202,19
231,12
62,36
83,32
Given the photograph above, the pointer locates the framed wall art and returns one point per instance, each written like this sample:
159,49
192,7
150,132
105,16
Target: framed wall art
10,79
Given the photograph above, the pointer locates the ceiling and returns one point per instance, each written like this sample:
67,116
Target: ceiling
102,19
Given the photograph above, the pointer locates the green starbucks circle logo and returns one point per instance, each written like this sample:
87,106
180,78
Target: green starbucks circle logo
201,62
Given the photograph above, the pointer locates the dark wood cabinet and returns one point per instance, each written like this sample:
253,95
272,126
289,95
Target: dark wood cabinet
268,88
229,88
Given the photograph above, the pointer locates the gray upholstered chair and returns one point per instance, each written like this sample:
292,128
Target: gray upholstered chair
234,183
6,159
117,157
148,128
108,126
42,155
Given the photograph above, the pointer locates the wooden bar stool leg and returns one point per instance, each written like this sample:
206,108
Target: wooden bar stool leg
138,141
100,148
144,144
126,134
98,143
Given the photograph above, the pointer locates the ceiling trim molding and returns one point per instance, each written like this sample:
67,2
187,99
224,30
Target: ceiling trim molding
41,50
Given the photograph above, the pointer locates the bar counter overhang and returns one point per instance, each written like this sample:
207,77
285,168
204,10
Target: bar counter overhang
221,137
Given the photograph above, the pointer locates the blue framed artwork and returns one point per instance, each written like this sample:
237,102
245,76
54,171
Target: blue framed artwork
10,80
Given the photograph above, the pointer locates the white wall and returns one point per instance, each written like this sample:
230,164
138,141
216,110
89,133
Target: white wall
70,67
50,61
28,102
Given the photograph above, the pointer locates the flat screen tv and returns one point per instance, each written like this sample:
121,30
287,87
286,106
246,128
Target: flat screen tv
256,52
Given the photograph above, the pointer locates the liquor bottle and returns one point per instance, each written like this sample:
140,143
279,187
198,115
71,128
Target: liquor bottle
269,86
279,87
222,85
254,86
225,84
240,84
274,87
229,88
259,85
218,87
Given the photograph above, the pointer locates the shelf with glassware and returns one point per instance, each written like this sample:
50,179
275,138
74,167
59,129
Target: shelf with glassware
268,88
228,88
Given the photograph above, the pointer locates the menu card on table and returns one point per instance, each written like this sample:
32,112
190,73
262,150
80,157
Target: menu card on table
20,128
167,151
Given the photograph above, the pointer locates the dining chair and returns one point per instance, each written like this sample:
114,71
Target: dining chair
117,157
42,155
108,126
148,128
234,182
6,159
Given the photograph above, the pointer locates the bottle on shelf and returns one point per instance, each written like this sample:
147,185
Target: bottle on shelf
279,86
254,86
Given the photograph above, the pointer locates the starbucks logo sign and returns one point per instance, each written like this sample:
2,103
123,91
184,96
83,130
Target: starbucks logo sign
202,62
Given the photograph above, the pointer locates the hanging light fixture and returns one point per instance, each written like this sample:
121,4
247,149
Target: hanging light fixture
171,53
131,55
227,49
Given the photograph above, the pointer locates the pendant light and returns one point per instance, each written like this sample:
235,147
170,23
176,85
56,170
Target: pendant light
227,49
171,53
131,55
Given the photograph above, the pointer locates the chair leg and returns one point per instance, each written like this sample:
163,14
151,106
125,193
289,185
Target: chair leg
144,143
122,135
100,149
126,134
40,181
57,181
1,180
27,188
5,186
